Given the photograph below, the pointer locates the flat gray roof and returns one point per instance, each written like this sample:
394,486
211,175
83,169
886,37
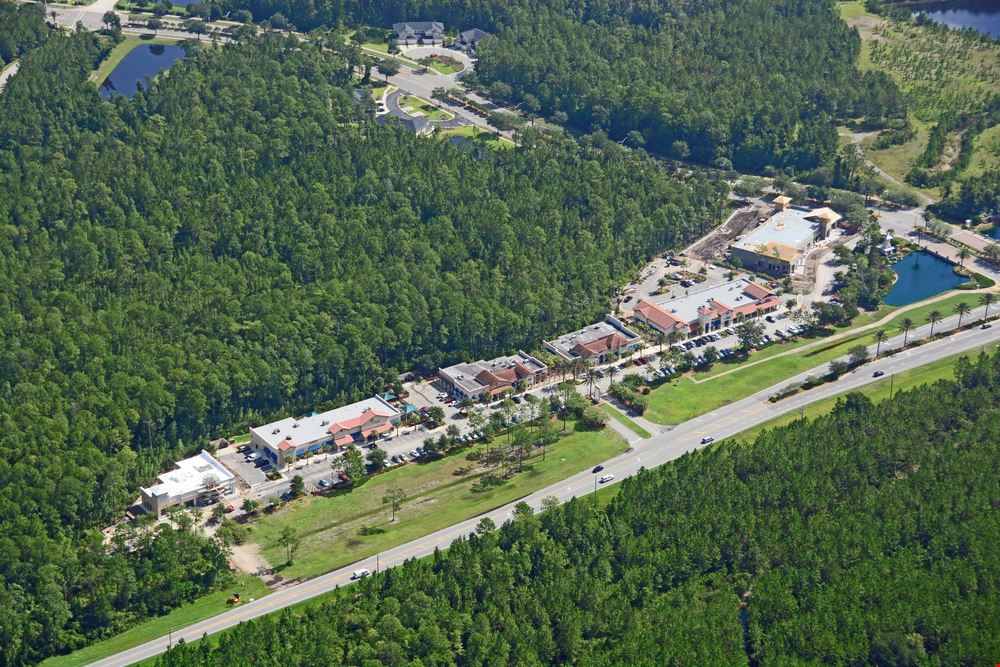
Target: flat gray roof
686,307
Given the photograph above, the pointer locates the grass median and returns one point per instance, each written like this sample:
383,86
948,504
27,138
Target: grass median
342,529
942,369
682,399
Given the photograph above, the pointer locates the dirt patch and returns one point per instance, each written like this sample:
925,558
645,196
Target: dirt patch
716,244
247,558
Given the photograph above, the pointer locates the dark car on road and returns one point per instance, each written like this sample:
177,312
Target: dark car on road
878,374
597,469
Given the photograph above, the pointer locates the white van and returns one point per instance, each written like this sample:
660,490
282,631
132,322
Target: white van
360,574
606,478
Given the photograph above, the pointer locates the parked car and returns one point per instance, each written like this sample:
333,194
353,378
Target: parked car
604,479
770,318
252,457
323,484
342,476
517,400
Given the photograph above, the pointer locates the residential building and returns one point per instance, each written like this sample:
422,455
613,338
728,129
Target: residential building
481,380
469,39
707,309
411,33
599,343
199,480
287,440
783,240
416,124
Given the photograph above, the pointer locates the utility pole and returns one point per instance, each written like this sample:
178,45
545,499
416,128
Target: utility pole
892,383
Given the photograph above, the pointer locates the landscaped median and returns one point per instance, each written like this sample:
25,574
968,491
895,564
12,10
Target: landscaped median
341,529
682,399
880,390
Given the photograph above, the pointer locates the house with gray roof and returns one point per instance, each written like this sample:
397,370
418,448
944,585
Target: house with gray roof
412,33
469,39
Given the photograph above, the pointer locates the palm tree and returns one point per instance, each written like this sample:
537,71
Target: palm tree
933,317
611,374
963,254
659,339
905,325
988,299
591,380
962,308
880,337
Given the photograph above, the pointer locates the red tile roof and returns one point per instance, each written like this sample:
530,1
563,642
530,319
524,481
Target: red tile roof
657,315
362,419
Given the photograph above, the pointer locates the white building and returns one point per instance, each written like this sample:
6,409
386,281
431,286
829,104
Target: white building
199,480
289,439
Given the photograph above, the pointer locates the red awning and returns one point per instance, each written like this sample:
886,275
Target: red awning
344,440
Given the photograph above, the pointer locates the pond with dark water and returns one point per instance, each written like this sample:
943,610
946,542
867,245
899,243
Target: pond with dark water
140,64
981,15
921,275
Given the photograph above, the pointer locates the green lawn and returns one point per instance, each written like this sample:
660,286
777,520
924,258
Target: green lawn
439,494
416,106
681,399
249,587
121,50
442,68
616,414
876,391
381,47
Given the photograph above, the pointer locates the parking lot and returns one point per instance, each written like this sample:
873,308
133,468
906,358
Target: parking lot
251,473
660,268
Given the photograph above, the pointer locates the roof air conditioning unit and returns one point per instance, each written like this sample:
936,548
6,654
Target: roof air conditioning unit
276,431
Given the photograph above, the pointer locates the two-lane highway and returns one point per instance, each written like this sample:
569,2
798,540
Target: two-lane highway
721,423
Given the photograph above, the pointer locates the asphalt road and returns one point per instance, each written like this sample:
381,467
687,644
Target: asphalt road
721,423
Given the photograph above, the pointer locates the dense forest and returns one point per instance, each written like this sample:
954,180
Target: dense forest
867,536
242,241
754,83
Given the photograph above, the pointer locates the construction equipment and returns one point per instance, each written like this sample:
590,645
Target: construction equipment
234,599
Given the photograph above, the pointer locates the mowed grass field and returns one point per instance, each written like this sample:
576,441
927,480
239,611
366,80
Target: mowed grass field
439,494
248,586
682,399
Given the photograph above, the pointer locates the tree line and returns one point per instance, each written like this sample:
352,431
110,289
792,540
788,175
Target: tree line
866,536
241,241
